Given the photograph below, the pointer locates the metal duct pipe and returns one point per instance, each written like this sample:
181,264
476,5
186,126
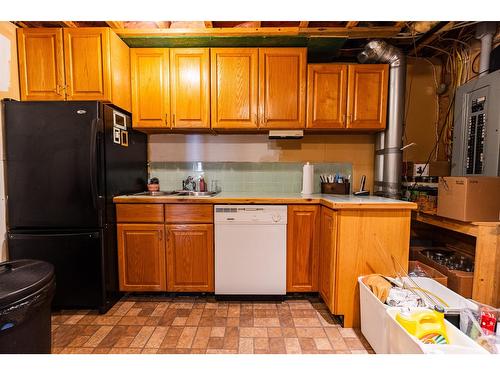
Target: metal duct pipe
485,32
388,154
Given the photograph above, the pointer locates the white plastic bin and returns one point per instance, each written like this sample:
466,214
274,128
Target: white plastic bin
401,342
374,317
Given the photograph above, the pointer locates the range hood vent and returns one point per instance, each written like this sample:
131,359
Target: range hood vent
286,134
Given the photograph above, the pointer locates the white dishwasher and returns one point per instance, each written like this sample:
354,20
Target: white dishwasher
250,249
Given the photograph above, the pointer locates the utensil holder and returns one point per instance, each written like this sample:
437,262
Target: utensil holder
335,188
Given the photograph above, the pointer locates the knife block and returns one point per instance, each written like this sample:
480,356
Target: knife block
343,188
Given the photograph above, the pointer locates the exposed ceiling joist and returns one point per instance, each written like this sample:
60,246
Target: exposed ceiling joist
21,24
342,32
115,24
69,24
429,37
352,24
303,24
163,24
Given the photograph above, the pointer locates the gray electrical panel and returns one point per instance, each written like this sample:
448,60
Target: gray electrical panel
476,129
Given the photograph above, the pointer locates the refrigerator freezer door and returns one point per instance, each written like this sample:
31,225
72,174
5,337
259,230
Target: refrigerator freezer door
77,259
52,164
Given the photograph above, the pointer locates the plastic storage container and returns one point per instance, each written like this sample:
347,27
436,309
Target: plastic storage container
401,342
27,289
373,312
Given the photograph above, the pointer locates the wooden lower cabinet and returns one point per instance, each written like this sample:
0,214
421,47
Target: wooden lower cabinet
302,248
327,255
141,257
190,257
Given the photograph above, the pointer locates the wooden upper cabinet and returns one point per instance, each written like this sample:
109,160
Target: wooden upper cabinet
41,63
150,88
141,257
367,96
302,248
190,87
190,258
327,254
326,96
282,87
234,84
97,65
87,63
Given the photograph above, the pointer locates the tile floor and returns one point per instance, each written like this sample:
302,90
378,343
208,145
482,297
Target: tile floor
187,325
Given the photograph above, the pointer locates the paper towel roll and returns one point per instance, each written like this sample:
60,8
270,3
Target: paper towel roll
308,178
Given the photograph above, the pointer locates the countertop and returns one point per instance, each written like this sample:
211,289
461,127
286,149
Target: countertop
327,200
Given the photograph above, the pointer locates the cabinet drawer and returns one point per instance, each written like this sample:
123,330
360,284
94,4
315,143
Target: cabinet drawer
189,213
139,213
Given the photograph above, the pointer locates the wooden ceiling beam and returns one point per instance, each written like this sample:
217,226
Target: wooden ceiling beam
351,24
341,32
429,37
69,24
163,24
22,24
303,24
115,24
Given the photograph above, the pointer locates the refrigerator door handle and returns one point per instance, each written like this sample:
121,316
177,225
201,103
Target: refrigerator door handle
26,236
93,161
96,125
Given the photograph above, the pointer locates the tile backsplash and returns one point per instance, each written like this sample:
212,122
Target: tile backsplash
268,177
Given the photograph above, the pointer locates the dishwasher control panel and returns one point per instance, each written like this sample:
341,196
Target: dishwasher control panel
244,214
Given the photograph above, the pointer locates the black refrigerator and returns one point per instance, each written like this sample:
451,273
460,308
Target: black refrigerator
65,163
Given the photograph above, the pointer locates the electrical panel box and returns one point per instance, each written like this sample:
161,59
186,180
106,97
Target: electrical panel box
476,133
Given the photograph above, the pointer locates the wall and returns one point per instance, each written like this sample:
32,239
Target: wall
9,88
422,108
340,148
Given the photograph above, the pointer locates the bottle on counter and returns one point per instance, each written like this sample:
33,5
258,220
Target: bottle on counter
201,184
154,184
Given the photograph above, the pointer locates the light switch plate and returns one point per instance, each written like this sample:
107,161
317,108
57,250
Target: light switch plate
420,170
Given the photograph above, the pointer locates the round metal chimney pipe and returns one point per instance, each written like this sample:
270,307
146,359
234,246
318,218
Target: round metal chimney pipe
485,32
388,154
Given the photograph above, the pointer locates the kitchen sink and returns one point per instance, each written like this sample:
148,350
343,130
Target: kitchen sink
182,193
197,193
156,193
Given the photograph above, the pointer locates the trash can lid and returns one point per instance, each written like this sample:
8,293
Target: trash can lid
21,278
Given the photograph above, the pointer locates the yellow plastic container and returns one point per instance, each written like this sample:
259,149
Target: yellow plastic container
426,325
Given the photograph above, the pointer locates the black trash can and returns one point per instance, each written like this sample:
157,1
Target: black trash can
26,291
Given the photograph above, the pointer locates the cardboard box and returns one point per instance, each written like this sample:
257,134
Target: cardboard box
469,198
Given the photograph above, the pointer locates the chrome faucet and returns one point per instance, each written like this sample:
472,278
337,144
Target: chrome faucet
189,184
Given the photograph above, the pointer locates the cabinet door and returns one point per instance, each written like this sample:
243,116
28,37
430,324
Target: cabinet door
326,96
41,64
87,63
327,255
302,248
190,87
190,258
367,93
150,87
234,83
282,87
141,257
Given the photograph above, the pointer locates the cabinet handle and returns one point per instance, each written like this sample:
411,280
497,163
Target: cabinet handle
166,119
160,234
255,119
343,119
173,120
